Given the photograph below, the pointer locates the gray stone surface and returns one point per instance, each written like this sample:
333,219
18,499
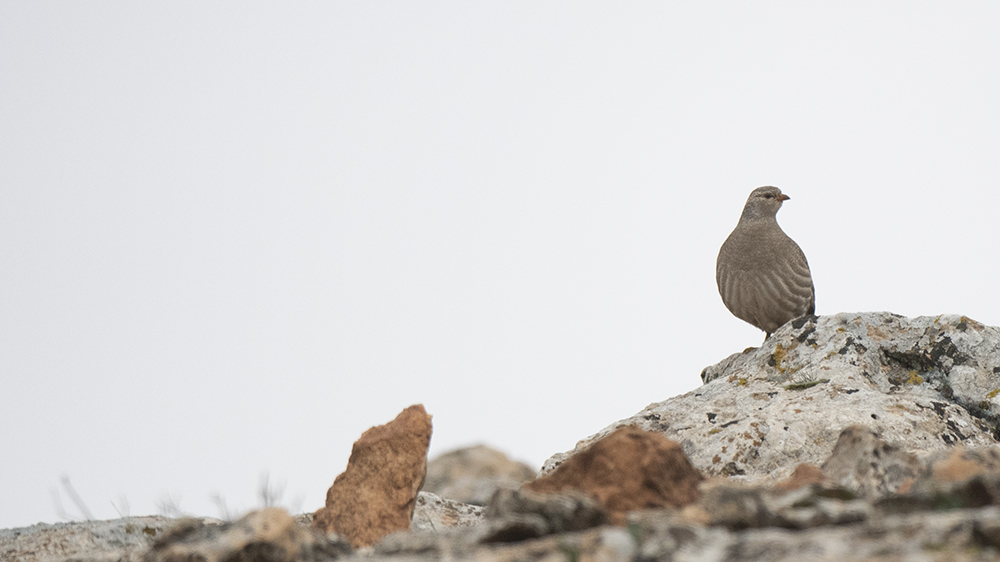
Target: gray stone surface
265,535
514,515
863,462
601,544
921,383
953,536
87,541
434,513
472,474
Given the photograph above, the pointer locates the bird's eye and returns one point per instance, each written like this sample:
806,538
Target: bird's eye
769,195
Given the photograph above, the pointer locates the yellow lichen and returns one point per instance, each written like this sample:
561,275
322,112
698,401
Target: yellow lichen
993,394
915,378
778,356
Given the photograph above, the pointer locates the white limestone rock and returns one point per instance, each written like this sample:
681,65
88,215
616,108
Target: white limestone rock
118,540
434,513
921,383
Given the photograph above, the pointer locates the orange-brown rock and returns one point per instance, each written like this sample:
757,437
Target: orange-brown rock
630,469
377,492
960,463
953,466
805,474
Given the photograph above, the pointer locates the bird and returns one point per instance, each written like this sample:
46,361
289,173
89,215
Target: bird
762,274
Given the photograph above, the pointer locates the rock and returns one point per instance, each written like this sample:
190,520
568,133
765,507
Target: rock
267,535
957,478
961,463
377,493
978,491
738,506
85,541
471,474
601,544
512,516
437,527
629,469
434,513
813,522
923,384
804,475
862,462
517,515
431,544
899,413
952,536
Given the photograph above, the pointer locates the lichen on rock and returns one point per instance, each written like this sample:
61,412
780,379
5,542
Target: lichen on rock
923,384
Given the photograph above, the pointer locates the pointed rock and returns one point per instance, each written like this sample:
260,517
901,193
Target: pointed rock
377,493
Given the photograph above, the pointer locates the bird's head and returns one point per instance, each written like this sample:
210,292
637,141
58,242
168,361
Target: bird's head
763,203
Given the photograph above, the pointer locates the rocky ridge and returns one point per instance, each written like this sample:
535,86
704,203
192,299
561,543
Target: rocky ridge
922,383
852,437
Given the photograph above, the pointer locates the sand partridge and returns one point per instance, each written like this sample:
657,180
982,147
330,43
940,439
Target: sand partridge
762,274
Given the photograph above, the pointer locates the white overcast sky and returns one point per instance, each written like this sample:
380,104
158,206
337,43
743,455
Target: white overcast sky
235,235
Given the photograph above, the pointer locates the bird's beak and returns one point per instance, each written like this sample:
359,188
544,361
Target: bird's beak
783,197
